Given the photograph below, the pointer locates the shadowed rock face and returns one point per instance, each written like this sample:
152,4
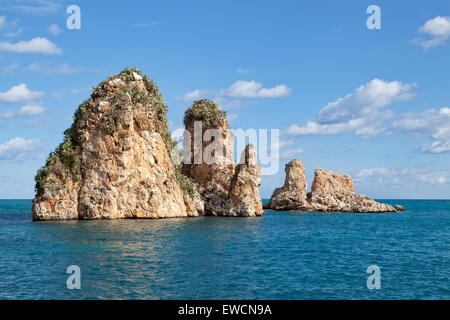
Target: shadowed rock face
219,182
330,192
114,161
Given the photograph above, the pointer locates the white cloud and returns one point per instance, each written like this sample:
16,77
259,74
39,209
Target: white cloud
253,89
231,117
431,124
10,68
192,95
402,177
244,71
2,21
13,34
31,110
146,24
291,153
18,148
47,68
36,45
19,93
54,29
35,7
438,30
79,90
360,111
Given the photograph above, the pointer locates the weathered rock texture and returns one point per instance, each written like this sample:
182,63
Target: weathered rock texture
209,162
330,192
115,159
292,195
244,192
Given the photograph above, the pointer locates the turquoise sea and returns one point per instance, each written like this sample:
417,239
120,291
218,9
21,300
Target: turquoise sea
282,255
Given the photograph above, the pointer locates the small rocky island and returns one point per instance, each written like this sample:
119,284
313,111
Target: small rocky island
115,162
330,192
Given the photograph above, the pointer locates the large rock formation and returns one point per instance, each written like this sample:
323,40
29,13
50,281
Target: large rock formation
209,162
330,192
115,159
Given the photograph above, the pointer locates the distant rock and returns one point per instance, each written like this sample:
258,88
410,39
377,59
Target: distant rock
330,192
335,192
292,195
399,208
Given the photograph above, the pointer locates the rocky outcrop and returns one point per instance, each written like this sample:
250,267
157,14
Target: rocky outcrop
292,195
115,159
330,192
209,163
244,192
333,192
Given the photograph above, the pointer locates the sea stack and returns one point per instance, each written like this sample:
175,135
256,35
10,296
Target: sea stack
330,192
292,195
115,159
209,163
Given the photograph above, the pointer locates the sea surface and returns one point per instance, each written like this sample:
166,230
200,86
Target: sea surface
282,255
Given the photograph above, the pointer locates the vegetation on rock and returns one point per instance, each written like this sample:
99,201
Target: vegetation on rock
206,111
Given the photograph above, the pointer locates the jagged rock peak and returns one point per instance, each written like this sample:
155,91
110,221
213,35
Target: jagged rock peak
292,195
244,192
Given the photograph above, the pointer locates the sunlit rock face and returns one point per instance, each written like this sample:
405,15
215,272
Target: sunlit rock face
211,165
292,195
115,160
335,192
330,192
244,188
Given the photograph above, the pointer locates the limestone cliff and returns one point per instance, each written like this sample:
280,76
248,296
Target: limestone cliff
330,192
209,162
115,160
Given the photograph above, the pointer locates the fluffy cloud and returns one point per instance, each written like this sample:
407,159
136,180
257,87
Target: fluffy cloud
192,95
35,7
360,111
31,110
18,148
253,89
9,68
438,30
432,124
244,71
36,45
13,34
402,176
46,68
54,29
2,21
19,93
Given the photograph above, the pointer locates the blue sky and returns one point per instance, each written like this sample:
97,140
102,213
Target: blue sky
370,103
